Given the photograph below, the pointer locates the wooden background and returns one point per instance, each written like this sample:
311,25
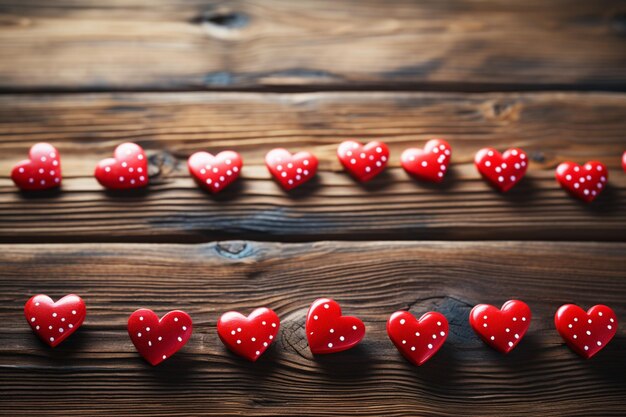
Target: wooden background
179,76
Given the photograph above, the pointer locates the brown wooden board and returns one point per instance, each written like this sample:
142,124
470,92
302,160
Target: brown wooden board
551,127
268,44
98,372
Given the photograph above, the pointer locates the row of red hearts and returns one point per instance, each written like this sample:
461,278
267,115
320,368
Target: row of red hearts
327,330
128,168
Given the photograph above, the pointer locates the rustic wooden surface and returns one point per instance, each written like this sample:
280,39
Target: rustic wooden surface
178,76
174,44
551,127
98,372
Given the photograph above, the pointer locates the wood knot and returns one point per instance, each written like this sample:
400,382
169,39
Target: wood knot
161,164
233,249
222,24
502,110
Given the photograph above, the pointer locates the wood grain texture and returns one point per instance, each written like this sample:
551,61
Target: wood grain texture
174,44
551,127
98,372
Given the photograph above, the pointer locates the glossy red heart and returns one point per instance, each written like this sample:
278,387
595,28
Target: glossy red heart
430,163
127,169
214,173
328,331
363,162
502,171
504,328
586,333
158,339
55,322
41,171
584,182
417,340
291,170
248,336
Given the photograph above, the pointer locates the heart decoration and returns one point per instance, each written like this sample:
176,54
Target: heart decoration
586,333
504,328
248,336
328,331
55,322
430,163
502,171
584,182
41,171
290,170
127,169
363,162
157,339
214,173
417,340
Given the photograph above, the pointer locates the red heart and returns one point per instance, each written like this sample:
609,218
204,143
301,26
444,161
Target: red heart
429,164
586,333
291,170
584,182
328,331
158,339
502,171
214,173
127,169
248,336
41,171
55,322
363,162
502,329
417,340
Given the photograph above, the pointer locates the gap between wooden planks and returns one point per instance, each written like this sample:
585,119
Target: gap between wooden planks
97,371
551,127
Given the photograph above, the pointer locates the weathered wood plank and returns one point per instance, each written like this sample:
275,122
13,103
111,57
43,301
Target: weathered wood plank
97,371
173,44
551,127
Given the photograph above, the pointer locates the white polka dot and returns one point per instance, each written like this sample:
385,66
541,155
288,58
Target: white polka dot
233,332
570,326
180,339
32,320
175,318
442,334
164,357
500,179
315,317
353,327
305,162
438,323
484,324
332,330
21,170
413,348
510,344
239,329
71,326
516,336
54,314
488,163
430,346
586,347
184,328
402,321
253,339
599,343
507,330
493,338
238,342
417,334
139,334
342,338
330,345
490,153
589,321
588,333
147,329
52,339
60,329
257,353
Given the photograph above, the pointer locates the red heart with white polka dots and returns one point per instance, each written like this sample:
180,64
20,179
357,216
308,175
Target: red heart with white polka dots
504,328
55,322
430,163
363,162
328,331
127,169
291,170
41,171
157,340
417,340
584,182
214,173
248,336
586,333
503,171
